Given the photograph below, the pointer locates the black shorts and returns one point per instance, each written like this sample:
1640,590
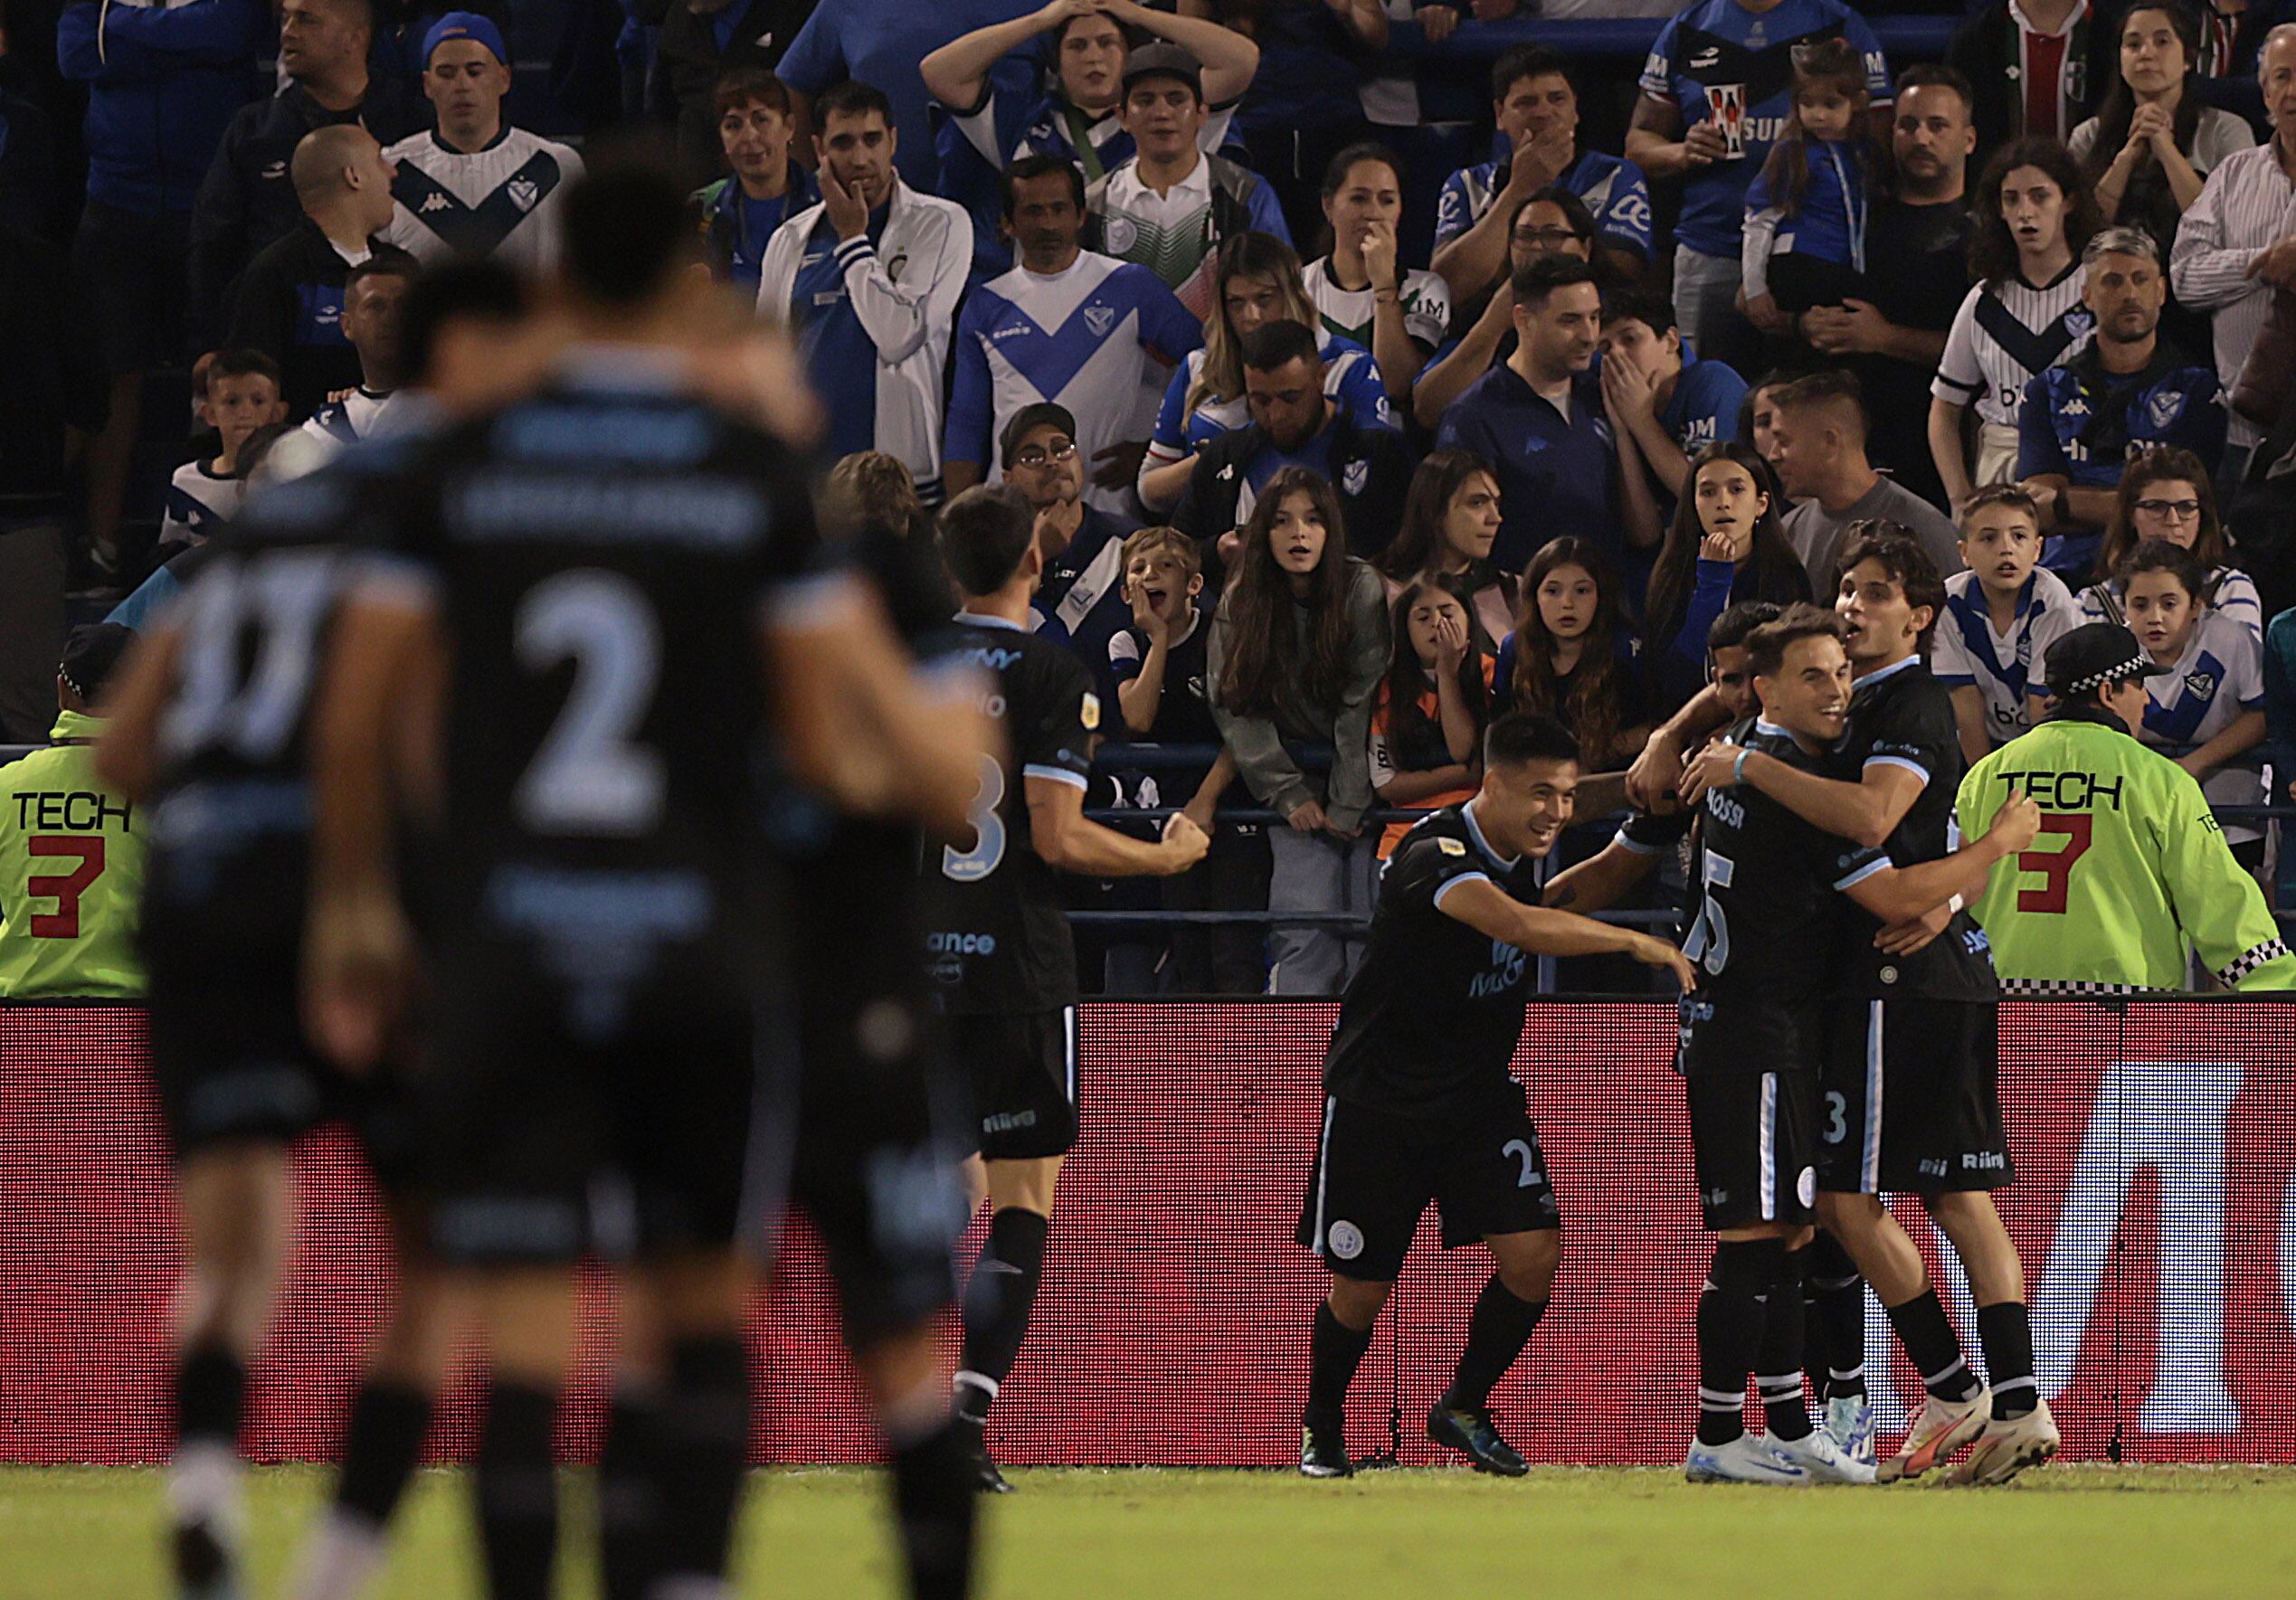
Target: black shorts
880,1133
1755,1136
560,1119
134,270
1375,1171
1910,1099
1022,1070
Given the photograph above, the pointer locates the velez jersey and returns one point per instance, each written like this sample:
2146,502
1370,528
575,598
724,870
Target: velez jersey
2219,675
1965,652
71,874
503,202
2003,334
1351,382
1614,191
199,501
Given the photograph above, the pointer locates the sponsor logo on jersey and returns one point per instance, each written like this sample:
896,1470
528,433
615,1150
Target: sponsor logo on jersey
525,194
961,944
1100,319
1450,847
1345,1239
1988,1160
1709,57
1508,963
1931,1167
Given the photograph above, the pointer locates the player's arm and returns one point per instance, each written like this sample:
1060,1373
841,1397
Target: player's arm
1653,779
1969,722
1490,911
1602,880
1066,839
128,755
1900,894
1866,812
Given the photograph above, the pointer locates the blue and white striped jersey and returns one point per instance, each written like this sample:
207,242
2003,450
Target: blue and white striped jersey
501,202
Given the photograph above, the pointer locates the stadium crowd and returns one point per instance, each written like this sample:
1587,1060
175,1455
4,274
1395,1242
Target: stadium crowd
1516,376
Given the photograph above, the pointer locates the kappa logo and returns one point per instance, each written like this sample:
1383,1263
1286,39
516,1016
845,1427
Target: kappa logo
1346,1240
525,194
435,202
2076,407
1100,319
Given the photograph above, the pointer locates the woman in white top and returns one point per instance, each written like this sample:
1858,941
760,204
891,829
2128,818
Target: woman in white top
2035,213
1361,290
2150,146
2166,494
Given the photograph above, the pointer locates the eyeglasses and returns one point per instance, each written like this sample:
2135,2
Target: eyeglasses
1545,238
1037,456
2171,510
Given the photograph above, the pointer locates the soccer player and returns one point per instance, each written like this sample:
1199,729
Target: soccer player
579,616
1909,1088
1768,884
998,941
1420,1101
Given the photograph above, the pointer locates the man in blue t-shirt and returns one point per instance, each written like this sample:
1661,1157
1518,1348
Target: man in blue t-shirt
1536,107
1668,404
1715,94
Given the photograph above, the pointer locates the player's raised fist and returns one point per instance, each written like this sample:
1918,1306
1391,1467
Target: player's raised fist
2017,824
1184,843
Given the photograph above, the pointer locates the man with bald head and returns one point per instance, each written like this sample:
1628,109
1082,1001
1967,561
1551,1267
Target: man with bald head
249,200
290,301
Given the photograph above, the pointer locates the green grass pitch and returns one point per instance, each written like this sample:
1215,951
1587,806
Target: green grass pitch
2089,1532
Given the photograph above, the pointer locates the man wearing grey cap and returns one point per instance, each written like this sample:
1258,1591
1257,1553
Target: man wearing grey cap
2132,871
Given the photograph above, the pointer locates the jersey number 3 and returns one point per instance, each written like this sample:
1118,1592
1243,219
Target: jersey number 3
969,866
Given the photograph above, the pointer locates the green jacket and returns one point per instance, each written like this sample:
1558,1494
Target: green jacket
71,877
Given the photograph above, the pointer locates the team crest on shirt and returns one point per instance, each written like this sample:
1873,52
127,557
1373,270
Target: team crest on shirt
1346,1240
1100,319
2165,406
1450,847
1090,712
2079,322
525,194
1353,476
1120,234
2201,685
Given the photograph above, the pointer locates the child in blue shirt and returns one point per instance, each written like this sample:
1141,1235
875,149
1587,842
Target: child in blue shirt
1804,242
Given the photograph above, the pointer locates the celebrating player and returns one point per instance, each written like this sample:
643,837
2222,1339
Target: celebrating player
1420,1103
999,943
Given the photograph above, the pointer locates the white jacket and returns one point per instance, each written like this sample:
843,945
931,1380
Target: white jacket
905,290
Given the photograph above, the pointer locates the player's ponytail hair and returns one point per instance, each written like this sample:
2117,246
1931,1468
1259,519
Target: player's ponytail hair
1269,672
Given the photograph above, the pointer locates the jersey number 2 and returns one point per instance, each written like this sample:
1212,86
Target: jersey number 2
969,866
590,776
63,922
2057,866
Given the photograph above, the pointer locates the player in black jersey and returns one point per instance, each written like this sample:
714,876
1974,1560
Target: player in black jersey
1420,1103
211,724
998,941
1910,1100
579,616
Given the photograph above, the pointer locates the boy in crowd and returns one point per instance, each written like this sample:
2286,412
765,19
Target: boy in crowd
243,394
1665,403
2001,617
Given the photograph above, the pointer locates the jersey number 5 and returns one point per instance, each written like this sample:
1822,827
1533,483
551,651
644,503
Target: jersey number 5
1710,934
2057,866
969,866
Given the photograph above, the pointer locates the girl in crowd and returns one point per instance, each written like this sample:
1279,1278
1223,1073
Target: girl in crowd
2152,145
1804,243
1725,547
1757,424
1570,656
2024,315
1297,648
1362,290
1427,729
2207,712
2166,493
1450,521
1256,278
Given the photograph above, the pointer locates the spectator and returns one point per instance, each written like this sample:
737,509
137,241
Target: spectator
371,304
1094,335
1916,253
1553,221
162,83
2000,618
869,488
1427,725
1071,111
1255,279
1163,680
250,200
884,42
1079,601
1803,235
705,45
1715,92
2151,149
1535,104
2165,494
1572,656
52,400
2128,390
290,301
1724,547
1663,403
2033,218
1297,648
475,186
874,337
1450,521
1362,290
241,394
1818,432
2152,883
1303,107
2207,710
740,214
1762,420
71,843
1295,424
2236,245
2040,67
1538,417
1171,206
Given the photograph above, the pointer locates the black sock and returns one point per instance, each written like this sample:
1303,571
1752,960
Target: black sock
1497,1331
2007,1333
380,1447
997,1304
1778,1363
628,1500
1836,1296
701,1454
210,1397
933,1497
1335,1350
1931,1345
518,1492
1730,1332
